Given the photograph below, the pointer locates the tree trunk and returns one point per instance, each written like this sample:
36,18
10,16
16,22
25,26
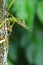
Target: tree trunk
3,35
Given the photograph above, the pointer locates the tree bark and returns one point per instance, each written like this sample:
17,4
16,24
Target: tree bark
3,35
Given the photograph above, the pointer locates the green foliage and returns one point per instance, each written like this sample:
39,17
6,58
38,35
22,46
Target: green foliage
40,10
10,63
26,47
25,9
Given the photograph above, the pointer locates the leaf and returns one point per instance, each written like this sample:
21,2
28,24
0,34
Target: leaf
40,11
26,39
39,57
39,36
31,10
25,9
30,53
20,8
13,55
10,63
34,50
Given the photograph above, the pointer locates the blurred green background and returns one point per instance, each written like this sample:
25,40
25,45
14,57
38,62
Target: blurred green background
26,46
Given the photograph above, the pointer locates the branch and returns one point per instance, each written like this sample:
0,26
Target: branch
2,41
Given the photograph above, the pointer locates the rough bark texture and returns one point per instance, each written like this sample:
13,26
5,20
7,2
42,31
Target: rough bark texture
3,35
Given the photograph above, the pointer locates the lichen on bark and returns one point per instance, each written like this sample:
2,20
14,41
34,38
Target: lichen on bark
3,35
